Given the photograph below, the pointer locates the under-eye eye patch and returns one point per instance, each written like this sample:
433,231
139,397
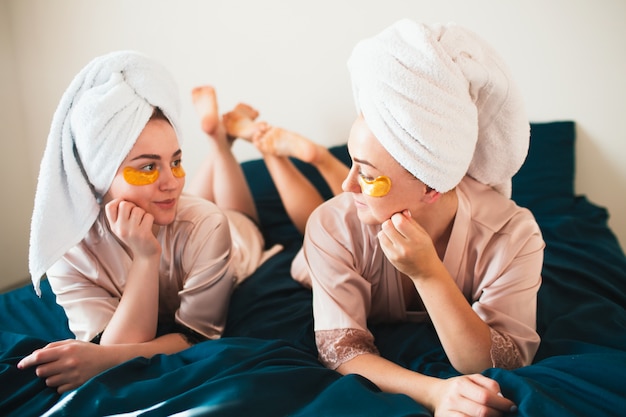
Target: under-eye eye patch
377,187
178,171
135,176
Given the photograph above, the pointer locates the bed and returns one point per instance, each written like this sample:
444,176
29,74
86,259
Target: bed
266,363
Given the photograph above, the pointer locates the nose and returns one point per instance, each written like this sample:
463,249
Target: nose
351,184
168,181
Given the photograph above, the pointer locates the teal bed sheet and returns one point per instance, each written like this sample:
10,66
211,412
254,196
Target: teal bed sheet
266,363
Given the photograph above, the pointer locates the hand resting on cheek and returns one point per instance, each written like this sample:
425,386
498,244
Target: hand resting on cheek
133,226
407,245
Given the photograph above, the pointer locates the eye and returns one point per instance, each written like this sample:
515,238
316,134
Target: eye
365,177
177,169
148,168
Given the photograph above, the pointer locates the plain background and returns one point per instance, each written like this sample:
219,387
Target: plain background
288,59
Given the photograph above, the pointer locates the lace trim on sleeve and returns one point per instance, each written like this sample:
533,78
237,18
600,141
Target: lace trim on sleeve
340,345
504,352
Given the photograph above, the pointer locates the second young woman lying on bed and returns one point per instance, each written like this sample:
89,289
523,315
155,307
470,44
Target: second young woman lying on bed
425,229
139,267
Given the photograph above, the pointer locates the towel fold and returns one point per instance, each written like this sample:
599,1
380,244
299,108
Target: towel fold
96,123
442,103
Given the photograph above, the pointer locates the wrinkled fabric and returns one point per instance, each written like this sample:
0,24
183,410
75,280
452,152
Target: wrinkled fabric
199,269
495,259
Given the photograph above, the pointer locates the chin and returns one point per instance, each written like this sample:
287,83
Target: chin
164,220
368,219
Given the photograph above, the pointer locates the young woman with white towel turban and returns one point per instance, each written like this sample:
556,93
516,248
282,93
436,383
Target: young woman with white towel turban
139,267
425,229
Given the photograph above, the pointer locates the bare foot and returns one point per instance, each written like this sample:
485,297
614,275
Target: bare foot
205,102
281,142
239,122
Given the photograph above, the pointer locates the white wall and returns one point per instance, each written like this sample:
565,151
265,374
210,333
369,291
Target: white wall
18,179
288,58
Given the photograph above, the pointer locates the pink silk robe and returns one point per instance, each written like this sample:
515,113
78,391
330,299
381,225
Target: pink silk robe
495,256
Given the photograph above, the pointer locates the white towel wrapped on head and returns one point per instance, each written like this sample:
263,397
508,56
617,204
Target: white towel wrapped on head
97,122
442,103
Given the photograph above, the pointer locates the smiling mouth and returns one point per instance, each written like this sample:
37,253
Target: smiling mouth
358,203
166,203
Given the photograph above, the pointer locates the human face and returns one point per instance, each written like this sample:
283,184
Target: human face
371,160
156,149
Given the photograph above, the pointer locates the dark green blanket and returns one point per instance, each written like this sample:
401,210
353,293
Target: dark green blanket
266,365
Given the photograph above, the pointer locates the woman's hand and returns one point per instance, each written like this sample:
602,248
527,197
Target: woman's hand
467,395
135,318
470,395
133,226
465,337
67,364
408,246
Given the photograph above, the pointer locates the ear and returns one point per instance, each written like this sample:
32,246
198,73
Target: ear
431,195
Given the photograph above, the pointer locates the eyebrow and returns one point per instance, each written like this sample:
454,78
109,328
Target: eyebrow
154,156
364,162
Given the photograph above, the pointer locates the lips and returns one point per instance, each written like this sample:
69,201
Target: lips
166,204
359,204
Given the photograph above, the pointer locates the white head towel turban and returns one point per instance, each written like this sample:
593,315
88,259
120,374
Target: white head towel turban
442,102
97,122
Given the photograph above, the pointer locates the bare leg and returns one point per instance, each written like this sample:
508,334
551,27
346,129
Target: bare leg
239,122
220,178
281,142
298,194
205,102
332,169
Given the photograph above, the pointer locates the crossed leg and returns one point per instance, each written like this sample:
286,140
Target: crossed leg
298,194
220,178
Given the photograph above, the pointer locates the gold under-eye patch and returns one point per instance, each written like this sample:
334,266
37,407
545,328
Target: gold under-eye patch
377,187
178,171
135,176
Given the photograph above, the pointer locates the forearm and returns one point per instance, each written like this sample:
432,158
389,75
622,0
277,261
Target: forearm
112,355
67,364
392,378
135,319
465,337
166,344
463,395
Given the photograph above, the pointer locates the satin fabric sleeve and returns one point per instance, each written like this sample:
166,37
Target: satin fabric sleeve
496,257
342,297
209,276
507,295
196,276
88,302
89,280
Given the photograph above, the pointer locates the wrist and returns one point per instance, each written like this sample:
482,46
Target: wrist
432,394
148,256
434,271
